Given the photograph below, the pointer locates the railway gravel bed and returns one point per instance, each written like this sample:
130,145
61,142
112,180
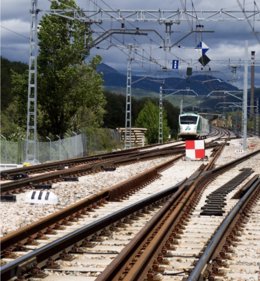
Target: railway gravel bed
20,213
191,240
244,262
162,183
15,215
199,228
98,253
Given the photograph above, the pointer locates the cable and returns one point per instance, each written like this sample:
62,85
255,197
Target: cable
19,34
248,21
131,24
144,51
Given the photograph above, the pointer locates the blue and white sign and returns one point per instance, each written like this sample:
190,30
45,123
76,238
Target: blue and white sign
203,47
175,64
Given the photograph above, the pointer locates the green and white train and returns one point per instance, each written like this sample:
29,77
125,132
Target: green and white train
193,126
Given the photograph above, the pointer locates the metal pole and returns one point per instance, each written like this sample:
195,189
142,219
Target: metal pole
75,143
237,112
128,110
49,147
252,83
160,133
245,98
257,118
181,106
31,131
59,146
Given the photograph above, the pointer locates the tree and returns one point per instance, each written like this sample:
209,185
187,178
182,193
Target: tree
13,98
172,117
7,67
70,92
115,110
13,117
149,118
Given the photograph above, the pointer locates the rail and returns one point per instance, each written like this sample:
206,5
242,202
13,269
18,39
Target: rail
27,233
220,234
41,256
142,256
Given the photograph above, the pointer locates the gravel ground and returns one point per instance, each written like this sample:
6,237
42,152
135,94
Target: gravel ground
234,151
21,213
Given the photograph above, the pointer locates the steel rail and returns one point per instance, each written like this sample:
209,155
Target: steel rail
245,188
86,168
135,263
53,250
135,259
76,161
233,163
204,259
230,239
27,233
17,186
61,163
158,229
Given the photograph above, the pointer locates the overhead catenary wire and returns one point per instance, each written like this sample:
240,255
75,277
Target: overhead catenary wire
248,21
103,29
131,24
15,32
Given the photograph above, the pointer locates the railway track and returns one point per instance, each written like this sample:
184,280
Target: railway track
226,256
26,235
220,133
100,213
238,261
169,253
32,265
24,172
17,186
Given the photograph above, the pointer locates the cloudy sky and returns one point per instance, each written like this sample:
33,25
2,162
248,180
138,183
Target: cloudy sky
225,39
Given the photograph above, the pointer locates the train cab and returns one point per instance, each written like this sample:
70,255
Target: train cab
188,124
193,126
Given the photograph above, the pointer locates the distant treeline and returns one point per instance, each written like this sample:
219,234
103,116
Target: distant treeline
115,103
6,69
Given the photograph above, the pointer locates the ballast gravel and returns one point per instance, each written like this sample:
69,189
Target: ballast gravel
15,215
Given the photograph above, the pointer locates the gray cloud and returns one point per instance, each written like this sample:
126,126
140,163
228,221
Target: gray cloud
15,9
226,42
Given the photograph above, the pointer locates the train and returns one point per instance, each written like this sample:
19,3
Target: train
193,126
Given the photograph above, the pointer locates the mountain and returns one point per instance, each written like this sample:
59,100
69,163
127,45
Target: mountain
199,84
112,78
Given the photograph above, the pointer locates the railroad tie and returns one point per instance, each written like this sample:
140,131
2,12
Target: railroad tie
215,201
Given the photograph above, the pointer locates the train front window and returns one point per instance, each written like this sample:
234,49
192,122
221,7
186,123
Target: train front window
188,119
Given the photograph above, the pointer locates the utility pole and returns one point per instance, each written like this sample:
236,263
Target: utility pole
160,133
257,118
31,132
252,95
128,107
245,98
